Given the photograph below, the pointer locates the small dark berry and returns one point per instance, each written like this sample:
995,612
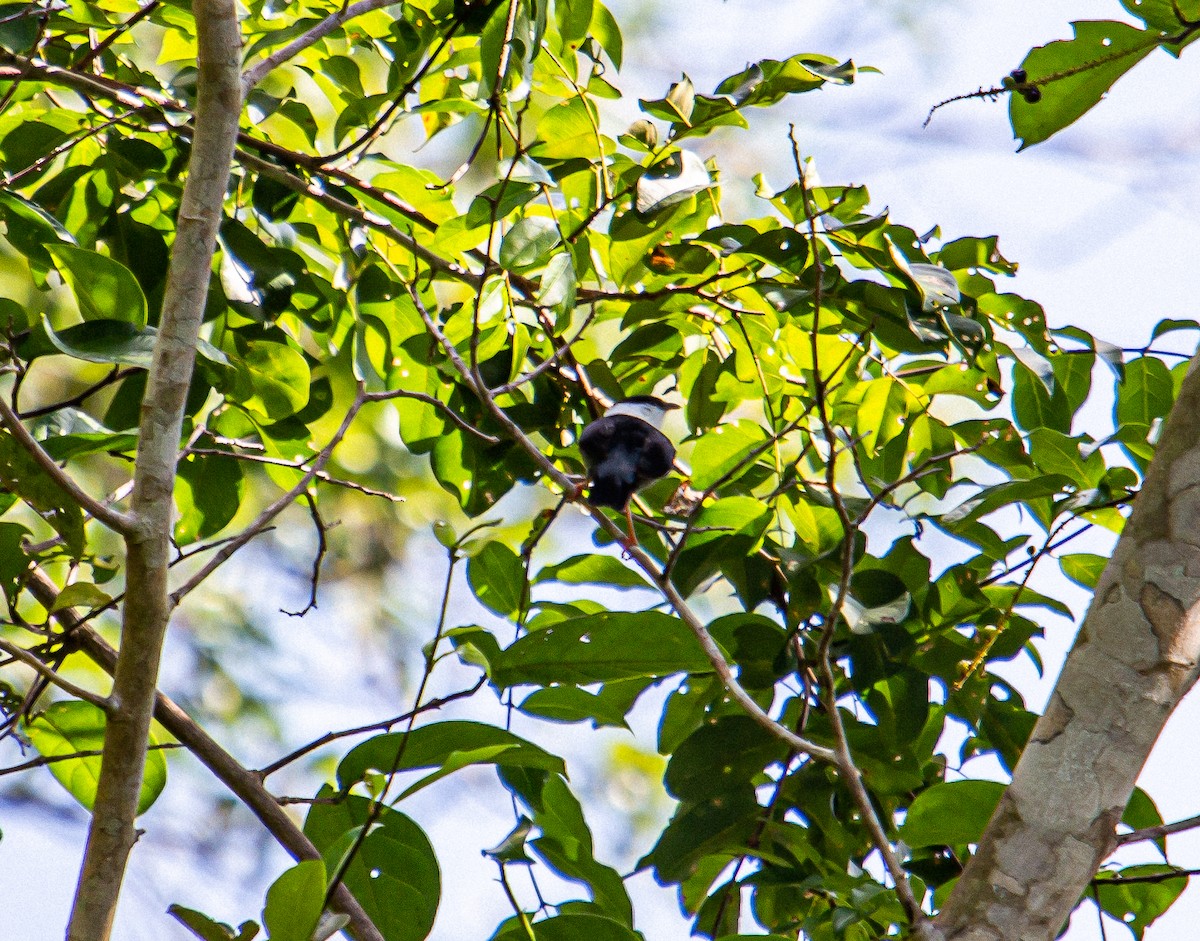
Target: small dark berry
1019,76
1032,94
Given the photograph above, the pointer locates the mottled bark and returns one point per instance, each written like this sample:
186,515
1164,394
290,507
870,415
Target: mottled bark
1133,660
147,606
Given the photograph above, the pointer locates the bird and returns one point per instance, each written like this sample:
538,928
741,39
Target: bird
625,450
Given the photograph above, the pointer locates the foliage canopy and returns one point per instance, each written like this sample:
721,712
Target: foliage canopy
878,444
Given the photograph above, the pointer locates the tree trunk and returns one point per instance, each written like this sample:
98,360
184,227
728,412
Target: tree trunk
1133,660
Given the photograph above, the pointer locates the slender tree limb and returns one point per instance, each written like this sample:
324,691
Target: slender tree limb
383,726
47,671
43,760
851,775
267,515
244,784
114,519
148,541
1135,656
1158,832
257,72
97,50
455,419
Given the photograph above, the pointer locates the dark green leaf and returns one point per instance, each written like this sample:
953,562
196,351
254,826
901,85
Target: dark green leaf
394,876
599,648
104,289
497,576
295,901
1138,904
951,813
432,746
1072,75
592,569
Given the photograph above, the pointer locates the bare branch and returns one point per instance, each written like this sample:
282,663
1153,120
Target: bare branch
455,419
1158,832
850,773
383,726
148,536
264,518
43,760
245,785
114,519
318,558
43,669
644,561
257,72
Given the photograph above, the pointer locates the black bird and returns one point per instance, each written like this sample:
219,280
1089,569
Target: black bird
625,451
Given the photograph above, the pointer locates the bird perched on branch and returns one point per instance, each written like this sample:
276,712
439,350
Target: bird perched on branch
626,450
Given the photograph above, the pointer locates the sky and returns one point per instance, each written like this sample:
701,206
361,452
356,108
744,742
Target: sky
1102,219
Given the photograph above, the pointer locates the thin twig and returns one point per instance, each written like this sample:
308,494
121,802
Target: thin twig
850,774
457,420
1158,832
35,663
43,760
318,558
265,517
382,726
144,11
257,72
114,519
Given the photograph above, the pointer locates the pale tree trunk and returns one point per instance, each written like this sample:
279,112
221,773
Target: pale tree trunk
147,605
1134,659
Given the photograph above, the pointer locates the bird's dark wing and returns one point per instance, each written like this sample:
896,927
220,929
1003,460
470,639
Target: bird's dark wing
596,440
658,455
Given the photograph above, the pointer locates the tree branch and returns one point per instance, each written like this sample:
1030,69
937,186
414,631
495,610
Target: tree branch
148,540
246,785
264,518
645,562
114,519
1135,656
257,72
1157,833
44,669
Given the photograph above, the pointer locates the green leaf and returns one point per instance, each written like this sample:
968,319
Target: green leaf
1138,904
395,874
497,576
1015,491
1083,568
572,927
951,813
207,929
1072,75
601,647
208,493
671,181
272,379
104,288
295,901
68,727
592,569
432,746
724,448
1140,813
80,595
528,243
1146,393
558,286
20,474
29,228
572,704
